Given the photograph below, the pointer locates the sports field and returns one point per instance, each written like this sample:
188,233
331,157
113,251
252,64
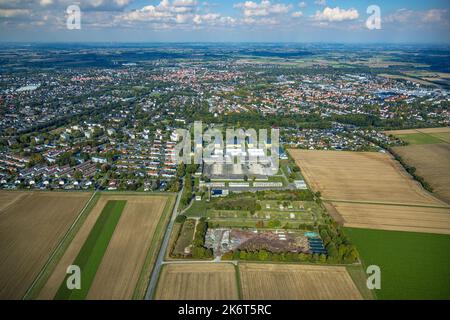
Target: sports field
31,226
126,261
432,162
261,281
413,265
197,281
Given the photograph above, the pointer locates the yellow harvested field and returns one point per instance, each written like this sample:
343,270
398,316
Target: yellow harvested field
197,281
432,162
31,226
296,282
360,176
390,217
122,263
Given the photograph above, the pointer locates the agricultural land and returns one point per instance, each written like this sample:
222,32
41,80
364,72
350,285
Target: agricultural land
197,281
118,240
372,190
428,153
31,226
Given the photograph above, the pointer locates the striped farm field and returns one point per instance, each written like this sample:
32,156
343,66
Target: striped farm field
197,281
392,217
262,281
432,162
360,176
371,190
123,266
31,226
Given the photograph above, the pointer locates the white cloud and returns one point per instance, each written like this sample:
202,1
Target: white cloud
336,14
406,16
434,15
12,13
302,4
321,2
45,2
263,9
184,3
297,14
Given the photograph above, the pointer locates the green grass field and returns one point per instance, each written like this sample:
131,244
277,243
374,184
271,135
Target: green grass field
185,238
444,136
92,251
419,138
413,265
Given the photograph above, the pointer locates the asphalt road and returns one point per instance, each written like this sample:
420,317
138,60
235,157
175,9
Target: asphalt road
162,250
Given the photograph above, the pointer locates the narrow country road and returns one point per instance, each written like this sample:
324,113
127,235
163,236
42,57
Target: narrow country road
162,250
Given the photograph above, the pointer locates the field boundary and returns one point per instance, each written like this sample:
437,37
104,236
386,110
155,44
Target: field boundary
238,281
60,249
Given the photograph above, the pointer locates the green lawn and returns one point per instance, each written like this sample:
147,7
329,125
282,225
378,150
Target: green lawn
92,251
419,138
413,265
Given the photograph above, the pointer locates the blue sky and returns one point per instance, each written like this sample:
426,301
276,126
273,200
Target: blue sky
414,21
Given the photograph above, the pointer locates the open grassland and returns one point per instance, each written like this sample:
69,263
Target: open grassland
91,254
129,257
432,162
413,265
296,282
360,176
393,217
31,226
195,281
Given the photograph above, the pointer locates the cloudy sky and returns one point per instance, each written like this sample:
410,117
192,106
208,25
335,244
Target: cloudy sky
411,21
